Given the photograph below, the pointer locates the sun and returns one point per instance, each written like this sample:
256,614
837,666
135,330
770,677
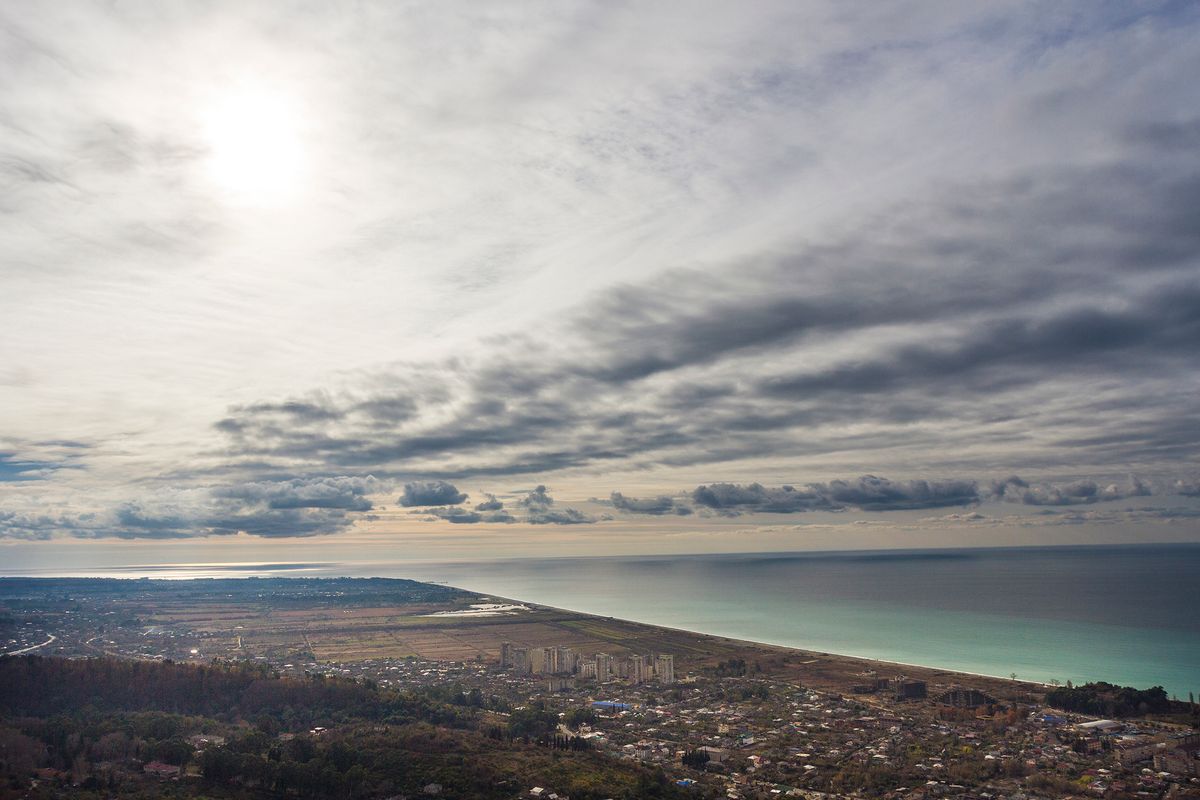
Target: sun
256,155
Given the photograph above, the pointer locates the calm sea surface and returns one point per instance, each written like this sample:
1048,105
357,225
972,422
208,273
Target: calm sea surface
1129,615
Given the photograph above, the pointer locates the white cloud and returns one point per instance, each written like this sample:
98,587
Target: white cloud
632,209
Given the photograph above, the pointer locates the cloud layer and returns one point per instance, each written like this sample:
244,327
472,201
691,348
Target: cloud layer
431,493
788,243
270,509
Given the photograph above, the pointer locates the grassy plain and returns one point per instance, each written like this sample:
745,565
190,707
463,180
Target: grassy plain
328,632
301,621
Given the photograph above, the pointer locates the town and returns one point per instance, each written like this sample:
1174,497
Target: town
760,737
720,719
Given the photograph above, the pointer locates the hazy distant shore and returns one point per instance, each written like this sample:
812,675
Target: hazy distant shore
1119,614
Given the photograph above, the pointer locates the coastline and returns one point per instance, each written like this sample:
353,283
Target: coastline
997,683
825,665
1056,614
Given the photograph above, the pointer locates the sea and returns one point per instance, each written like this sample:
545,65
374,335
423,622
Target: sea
1125,614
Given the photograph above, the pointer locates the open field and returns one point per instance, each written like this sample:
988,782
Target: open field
334,634
342,620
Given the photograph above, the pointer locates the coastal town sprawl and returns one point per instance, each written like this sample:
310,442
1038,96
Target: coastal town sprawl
714,717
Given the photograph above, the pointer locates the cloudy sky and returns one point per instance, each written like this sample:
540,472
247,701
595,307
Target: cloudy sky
453,280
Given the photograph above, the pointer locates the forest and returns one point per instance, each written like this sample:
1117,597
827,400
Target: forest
1109,700
99,727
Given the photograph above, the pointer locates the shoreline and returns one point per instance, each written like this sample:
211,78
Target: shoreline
828,667
873,663
975,618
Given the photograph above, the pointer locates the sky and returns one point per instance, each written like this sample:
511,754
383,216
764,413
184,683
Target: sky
460,280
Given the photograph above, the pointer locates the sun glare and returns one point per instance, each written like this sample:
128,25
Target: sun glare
256,153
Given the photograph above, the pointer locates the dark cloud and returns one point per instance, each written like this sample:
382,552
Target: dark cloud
657,506
294,507
1175,512
539,507
296,411
540,510
973,516
1016,490
318,506
934,328
133,516
540,515
1135,488
1009,352
461,516
756,498
539,497
1186,487
386,410
490,504
346,493
284,523
431,493
287,508
870,493
15,525
132,521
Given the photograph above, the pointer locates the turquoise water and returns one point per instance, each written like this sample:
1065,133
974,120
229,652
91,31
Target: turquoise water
1129,615
1125,614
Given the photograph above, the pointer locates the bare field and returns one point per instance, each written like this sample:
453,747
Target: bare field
326,632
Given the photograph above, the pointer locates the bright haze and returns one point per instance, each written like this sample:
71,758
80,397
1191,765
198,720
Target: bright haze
491,279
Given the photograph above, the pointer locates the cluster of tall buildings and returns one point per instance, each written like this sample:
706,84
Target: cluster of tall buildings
901,687
539,660
602,667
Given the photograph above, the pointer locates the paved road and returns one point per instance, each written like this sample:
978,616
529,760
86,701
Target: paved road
27,649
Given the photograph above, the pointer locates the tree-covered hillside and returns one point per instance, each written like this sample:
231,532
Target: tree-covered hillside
105,727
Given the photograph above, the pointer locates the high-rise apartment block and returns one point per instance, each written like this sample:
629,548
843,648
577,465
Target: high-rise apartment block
603,667
637,669
664,668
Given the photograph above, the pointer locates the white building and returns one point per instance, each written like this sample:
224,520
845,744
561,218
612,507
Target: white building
604,666
637,669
